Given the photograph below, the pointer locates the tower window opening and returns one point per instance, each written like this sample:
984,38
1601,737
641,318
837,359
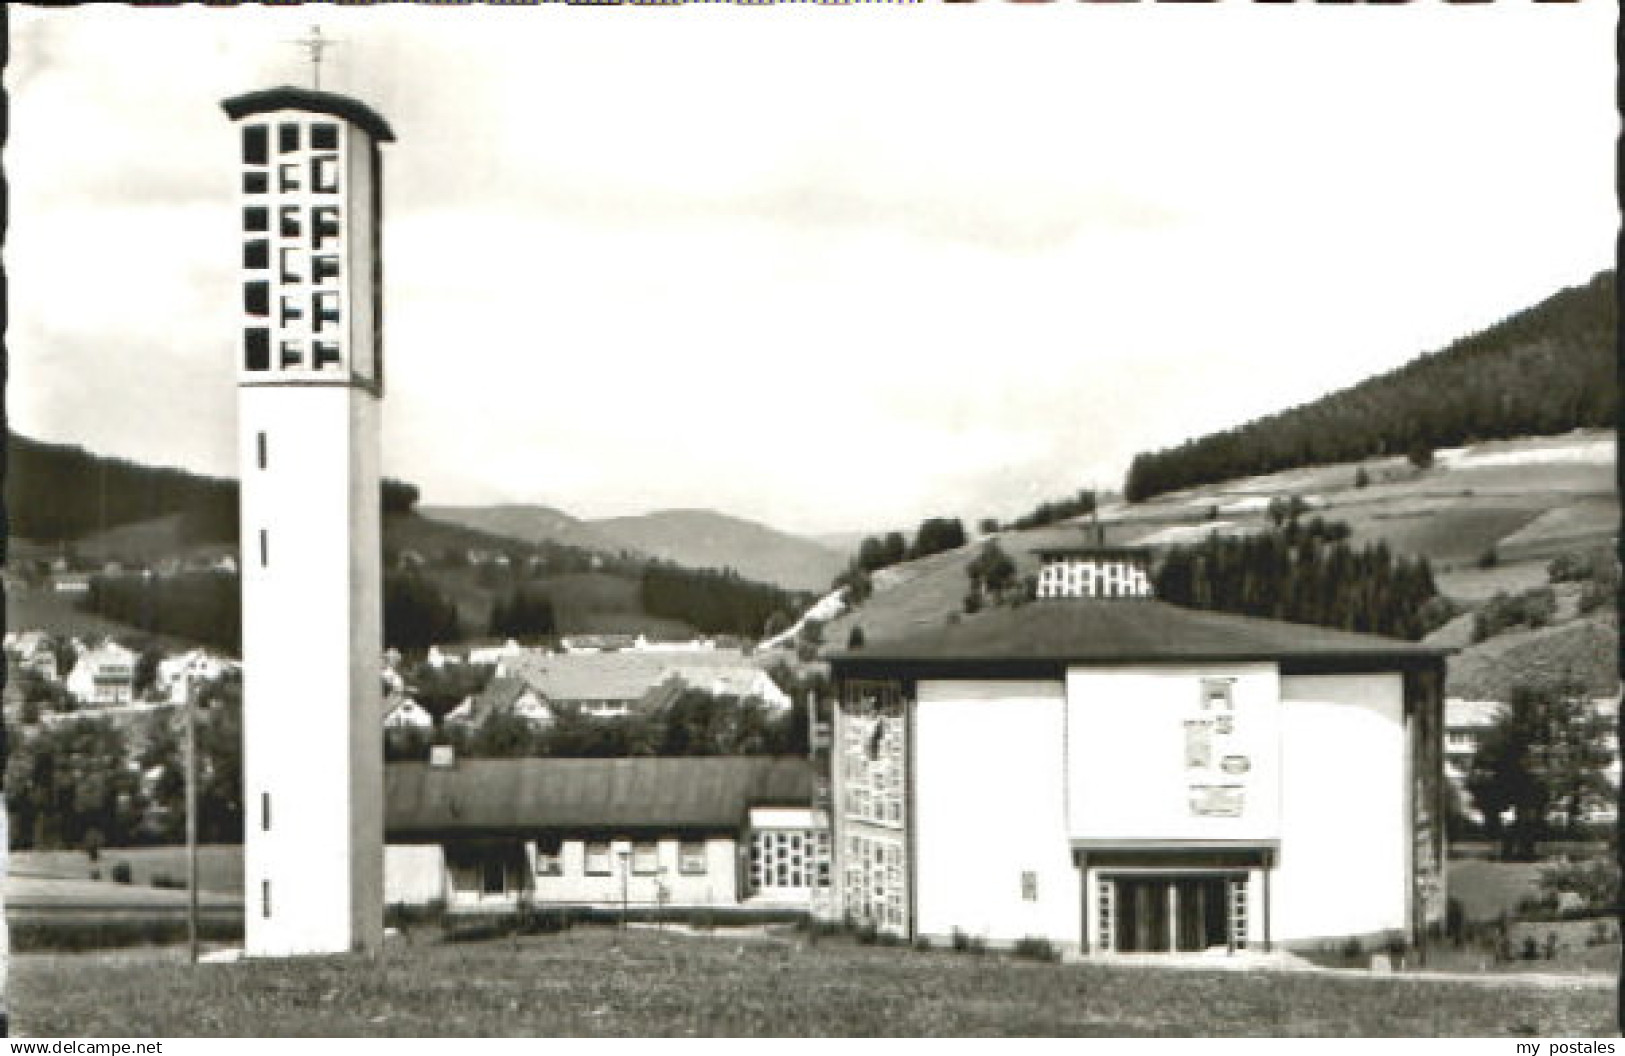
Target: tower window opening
288,177
324,222
265,899
324,266
290,221
256,218
324,174
291,259
257,253
265,798
327,354
325,309
259,444
255,182
257,298
293,353
292,311
324,136
287,138
255,145
257,348
265,548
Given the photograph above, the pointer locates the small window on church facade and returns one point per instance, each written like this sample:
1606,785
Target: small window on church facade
255,145
293,353
257,348
324,174
324,225
257,298
265,548
326,354
326,310
324,266
257,253
255,183
287,178
290,221
265,899
265,797
256,218
324,136
260,447
292,265
287,138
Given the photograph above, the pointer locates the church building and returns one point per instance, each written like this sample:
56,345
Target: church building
1116,774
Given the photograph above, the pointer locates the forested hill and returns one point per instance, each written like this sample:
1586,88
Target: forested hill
1545,370
57,493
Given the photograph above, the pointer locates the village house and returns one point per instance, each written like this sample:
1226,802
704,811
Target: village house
176,675
488,835
1115,774
402,712
103,676
503,694
616,684
33,651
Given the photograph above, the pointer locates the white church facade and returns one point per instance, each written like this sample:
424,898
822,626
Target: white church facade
310,378
1115,774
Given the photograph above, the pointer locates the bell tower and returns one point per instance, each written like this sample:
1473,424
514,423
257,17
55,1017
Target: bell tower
310,378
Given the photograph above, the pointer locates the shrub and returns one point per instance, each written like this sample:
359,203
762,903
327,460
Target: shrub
963,942
1361,478
1596,882
866,933
93,844
1352,949
164,880
1489,558
122,873
1037,949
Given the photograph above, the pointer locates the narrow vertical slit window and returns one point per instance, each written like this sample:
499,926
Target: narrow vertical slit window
265,810
265,899
287,138
265,548
259,444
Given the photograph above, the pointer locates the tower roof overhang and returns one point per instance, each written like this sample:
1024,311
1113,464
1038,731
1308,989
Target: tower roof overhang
287,97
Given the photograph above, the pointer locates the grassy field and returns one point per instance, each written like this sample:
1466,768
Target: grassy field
220,868
603,982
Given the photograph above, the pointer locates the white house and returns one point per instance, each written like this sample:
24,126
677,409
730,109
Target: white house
103,676
1116,774
402,712
490,834
176,674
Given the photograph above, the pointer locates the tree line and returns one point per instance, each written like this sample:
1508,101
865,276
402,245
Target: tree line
713,601
1548,369
1305,573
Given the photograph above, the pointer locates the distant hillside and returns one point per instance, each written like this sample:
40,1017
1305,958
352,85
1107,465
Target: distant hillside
1546,370
526,523
705,539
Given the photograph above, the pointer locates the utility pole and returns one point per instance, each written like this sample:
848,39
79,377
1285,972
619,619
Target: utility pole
191,815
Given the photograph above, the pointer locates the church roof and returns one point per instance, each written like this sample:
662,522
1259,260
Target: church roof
288,97
1049,634
525,795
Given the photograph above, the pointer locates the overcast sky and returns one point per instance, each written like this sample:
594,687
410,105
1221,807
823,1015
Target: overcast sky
825,267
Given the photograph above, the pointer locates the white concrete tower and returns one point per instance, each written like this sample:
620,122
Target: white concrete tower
310,376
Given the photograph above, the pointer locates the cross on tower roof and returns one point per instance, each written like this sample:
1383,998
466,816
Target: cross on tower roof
313,46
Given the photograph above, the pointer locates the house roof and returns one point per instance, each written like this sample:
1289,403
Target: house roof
1069,631
288,97
621,676
526,795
